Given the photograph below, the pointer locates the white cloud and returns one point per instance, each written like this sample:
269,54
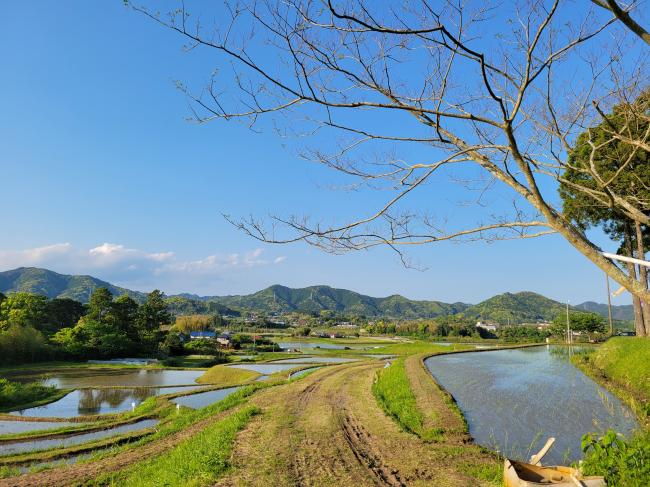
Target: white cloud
215,263
123,265
109,254
33,257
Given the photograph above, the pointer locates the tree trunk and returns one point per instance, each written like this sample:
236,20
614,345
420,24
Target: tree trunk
639,325
643,277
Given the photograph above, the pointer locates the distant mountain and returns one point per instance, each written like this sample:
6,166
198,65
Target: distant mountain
55,285
624,312
180,304
515,308
318,298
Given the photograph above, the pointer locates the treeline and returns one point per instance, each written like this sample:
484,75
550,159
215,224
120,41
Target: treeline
591,325
34,328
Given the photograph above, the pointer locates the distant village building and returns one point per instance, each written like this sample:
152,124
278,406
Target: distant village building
224,340
345,324
487,326
202,335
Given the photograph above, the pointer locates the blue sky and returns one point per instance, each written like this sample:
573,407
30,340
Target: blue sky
102,174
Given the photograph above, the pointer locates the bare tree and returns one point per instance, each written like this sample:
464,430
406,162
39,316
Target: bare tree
623,14
501,91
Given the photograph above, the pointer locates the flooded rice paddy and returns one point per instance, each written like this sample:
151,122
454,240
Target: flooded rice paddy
308,345
88,402
75,378
11,427
514,400
316,360
72,440
203,399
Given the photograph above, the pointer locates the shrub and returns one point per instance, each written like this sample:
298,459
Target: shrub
16,393
623,463
19,344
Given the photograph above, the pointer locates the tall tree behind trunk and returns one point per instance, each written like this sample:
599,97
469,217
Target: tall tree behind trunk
639,325
643,277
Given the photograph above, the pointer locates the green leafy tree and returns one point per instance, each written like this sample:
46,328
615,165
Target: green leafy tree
23,309
589,323
100,304
91,338
604,161
61,313
151,316
19,344
173,344
124,316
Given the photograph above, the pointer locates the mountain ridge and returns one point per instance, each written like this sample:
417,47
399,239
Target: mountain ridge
525,306
54,285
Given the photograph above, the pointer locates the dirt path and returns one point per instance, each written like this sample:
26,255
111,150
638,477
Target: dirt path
329,431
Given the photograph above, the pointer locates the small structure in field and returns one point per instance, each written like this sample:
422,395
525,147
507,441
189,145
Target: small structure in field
487,325
202,335
224,340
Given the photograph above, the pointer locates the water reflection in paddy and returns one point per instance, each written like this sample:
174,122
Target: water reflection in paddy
46,444
75,378
9,427
316,360
84,402
302,345
515,399
203,399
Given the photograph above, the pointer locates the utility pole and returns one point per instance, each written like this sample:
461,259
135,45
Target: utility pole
568,331
609,307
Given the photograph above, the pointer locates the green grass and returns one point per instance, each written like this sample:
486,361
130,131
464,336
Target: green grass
393,392
490,472
198,461
17,395
222,375
626,360
622,364
417,346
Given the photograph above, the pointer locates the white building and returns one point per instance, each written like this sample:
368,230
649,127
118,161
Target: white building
487,326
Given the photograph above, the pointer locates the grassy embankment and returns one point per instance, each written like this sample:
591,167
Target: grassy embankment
393,391
17,395
227,376
622,365
418,347
196,461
